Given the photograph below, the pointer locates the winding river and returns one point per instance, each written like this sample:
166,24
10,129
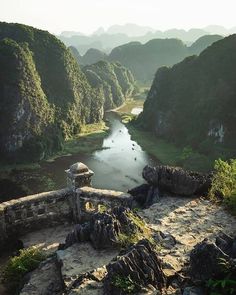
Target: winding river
117,166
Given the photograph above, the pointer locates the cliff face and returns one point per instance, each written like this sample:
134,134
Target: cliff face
194,102
44,96
114,81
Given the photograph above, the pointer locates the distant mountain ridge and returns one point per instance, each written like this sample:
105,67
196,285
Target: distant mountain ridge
144,59
117,35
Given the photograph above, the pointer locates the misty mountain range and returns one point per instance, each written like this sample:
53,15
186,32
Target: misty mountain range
117,35
144,59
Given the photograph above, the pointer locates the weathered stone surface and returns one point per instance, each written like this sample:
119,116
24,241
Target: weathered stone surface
103,229
194,291
88,287
145,195
205,261
141,263
46,280
176,180
227,244
83,261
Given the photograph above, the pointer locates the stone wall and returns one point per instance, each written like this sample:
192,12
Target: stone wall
30,213
89,200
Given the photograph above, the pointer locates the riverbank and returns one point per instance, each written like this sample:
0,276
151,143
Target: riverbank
18,180
163,151
169,154
88,141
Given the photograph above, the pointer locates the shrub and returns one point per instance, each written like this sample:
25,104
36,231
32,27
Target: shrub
224,183
131,236
226,284
126,284
18,266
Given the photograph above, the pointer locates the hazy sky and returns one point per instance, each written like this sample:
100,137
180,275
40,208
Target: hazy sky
87,15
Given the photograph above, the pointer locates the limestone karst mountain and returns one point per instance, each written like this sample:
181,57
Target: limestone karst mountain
202,43
194,102
115,81
117,35
45,97
144,59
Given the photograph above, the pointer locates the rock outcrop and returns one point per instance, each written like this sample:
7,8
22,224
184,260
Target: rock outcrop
212,260
163,180
46,279
176,180
45,97
179,104
107,230
140,266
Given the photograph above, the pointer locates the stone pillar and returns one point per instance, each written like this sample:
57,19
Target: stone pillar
3,233
78,175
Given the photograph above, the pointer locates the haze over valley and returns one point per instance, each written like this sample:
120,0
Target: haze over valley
117,147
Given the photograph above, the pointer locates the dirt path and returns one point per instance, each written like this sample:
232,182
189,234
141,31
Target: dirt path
189,220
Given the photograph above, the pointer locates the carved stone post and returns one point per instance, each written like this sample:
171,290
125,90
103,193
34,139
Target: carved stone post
78,175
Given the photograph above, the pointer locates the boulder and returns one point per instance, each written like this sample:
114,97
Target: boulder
46,279
177,181
205,261
227,244
138,267
145,195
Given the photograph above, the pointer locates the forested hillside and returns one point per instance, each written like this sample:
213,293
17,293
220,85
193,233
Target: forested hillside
144,59
194,102
115,82
44,96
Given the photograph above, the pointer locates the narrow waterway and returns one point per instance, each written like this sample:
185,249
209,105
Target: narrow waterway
117,166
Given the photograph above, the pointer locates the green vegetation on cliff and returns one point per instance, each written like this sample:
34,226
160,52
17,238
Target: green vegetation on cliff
144,59
193,103
45,97
114,81
18,266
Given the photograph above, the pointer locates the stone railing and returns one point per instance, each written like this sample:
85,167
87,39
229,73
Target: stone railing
19,216
90,200
73,204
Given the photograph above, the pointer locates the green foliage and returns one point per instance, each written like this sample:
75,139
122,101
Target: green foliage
166,152
225,285
48,98
114,81
131,236
102,208
186,153
144,59
126,284
179,107
18,266
224,182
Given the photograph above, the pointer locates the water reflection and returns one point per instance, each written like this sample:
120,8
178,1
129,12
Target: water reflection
118,166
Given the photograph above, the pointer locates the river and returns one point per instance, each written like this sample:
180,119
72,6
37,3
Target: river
117,166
